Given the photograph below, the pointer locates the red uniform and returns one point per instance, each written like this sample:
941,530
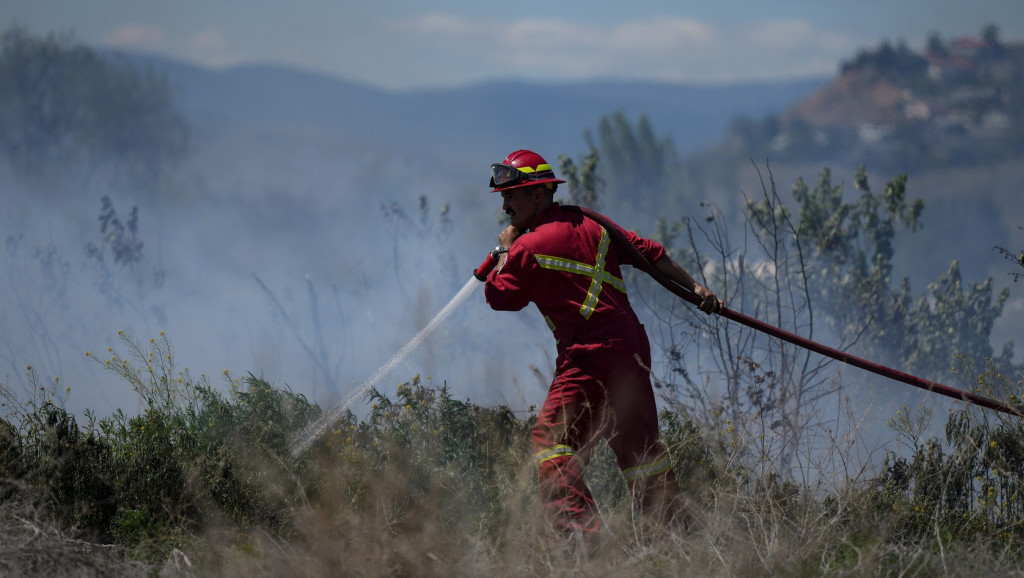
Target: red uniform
567,265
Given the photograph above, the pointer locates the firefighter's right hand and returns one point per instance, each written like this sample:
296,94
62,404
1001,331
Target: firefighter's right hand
506,237
709,302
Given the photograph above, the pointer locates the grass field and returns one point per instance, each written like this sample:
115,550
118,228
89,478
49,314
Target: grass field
203,483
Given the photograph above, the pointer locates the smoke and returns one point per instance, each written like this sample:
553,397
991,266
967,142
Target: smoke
291,251
279,253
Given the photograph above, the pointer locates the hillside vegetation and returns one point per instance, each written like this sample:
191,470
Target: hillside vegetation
954,103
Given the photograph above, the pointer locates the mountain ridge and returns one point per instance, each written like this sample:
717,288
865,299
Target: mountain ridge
488,115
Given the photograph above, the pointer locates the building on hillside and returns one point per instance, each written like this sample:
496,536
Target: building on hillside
874,133
915,108
960,58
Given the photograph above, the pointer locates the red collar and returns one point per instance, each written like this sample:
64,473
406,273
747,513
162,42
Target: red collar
545,216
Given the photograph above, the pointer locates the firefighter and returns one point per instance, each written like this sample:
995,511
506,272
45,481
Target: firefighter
567,265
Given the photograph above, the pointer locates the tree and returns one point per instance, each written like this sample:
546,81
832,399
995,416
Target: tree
935,47
64,109
887,62
993,48
990,35
850,271
636,165
585,186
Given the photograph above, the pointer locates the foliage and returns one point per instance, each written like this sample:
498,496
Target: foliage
637,168
888,62
191,457
849,249
118,263
458,455
820,267
64,107
425,476
966,489
122,240
47,451
585,186
1015,258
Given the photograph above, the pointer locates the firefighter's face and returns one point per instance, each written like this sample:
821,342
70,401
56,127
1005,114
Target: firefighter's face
522,205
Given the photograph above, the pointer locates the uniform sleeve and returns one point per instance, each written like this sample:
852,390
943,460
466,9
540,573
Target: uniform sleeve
507,289
652,250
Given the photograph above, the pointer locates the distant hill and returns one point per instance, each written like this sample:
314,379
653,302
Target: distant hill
956,103
472,124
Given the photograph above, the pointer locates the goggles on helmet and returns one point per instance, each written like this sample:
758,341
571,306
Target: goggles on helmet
505,175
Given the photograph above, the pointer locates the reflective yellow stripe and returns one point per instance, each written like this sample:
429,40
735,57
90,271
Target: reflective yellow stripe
543,167
553,452
647,470
551,326
596,283
598,276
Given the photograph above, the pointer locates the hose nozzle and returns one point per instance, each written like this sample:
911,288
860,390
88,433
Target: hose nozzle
486,267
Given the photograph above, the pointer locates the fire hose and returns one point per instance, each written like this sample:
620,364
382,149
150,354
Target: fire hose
641,262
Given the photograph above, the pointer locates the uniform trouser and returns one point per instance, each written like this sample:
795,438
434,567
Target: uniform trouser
602,390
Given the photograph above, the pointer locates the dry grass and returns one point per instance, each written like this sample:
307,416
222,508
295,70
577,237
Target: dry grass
735,536
386,531
428,485
31,544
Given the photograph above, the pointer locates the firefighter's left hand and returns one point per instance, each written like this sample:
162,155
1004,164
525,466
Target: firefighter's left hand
506,237
709,302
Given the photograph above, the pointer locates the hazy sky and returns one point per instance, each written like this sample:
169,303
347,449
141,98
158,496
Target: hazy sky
403,44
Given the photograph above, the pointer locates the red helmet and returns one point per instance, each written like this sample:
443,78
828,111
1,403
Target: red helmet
522,168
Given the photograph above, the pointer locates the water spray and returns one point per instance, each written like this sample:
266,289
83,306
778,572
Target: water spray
317,429
302,442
